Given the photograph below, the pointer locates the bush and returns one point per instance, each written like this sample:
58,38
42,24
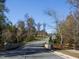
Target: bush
30,38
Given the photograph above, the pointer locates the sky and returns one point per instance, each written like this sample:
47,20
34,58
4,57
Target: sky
36,9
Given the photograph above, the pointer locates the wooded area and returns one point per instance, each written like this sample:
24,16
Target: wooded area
67,33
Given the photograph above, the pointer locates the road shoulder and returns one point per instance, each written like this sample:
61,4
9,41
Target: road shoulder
65,56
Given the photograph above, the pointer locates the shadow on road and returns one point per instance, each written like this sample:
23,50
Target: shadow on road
25,51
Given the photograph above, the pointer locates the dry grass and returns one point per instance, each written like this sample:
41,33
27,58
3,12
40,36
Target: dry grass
74,54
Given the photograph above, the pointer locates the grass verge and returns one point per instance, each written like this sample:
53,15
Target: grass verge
71,53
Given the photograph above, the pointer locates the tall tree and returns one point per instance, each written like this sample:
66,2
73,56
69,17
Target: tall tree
2,15
38,26
53,13
67,31
31,30
75,3
21,25
2,19
20,30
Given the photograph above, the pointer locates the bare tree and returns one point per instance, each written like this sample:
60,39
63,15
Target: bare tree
38,26
53,13
75,3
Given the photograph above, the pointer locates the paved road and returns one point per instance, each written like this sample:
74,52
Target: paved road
32,50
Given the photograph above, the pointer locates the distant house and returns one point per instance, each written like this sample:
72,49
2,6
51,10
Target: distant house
41,34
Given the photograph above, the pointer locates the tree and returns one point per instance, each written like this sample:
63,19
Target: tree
20,31
67,31
38,26
2,20
53,13
75,3
21,25
31,30
2,15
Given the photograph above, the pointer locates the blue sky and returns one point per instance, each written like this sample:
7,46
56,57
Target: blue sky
36,8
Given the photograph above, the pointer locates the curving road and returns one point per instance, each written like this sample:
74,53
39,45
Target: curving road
32,50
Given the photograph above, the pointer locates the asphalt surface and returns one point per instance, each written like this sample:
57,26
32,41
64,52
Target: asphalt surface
33,50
